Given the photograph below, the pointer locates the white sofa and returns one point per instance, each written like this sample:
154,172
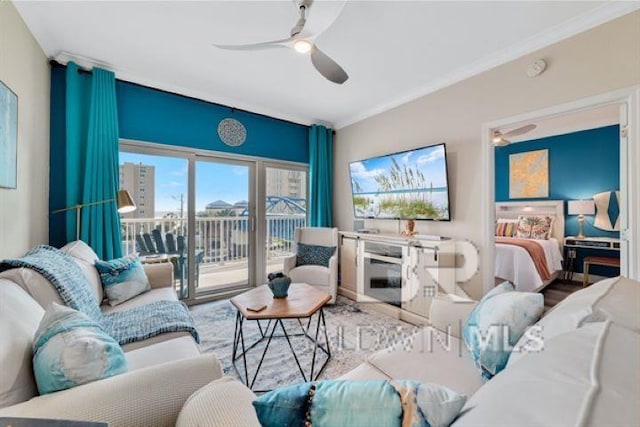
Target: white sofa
587,374
163,371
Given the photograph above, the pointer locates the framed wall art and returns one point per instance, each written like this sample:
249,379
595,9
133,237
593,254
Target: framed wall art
529,175
8,137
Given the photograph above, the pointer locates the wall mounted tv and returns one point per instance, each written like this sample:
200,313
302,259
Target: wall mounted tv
407,185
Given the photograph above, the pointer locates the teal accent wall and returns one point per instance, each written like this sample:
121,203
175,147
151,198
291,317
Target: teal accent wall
581,164
151,115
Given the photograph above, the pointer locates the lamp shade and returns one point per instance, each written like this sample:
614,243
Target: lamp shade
581,207
125,202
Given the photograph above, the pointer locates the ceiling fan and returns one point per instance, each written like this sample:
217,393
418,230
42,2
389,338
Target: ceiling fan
302,44
501,139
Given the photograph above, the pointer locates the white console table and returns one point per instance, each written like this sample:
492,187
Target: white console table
417,269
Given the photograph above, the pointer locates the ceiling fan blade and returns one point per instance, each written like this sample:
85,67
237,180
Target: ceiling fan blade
327,66
256,46
519,131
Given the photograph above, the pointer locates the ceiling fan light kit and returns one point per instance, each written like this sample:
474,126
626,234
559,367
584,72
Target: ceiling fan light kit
326,66
302,46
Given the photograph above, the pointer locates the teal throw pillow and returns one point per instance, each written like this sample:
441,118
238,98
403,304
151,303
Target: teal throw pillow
70,349
359,403
496,324
122,279
314,254
284,407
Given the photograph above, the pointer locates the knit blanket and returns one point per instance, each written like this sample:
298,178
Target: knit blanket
127,326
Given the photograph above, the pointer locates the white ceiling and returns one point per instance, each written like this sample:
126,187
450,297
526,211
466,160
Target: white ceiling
393,51
591,118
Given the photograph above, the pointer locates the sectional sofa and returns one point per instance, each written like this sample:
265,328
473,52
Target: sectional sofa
588,372
163,371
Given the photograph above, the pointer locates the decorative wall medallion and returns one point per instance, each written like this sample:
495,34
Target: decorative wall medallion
232,132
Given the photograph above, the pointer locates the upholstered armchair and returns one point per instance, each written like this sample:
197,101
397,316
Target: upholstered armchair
323,277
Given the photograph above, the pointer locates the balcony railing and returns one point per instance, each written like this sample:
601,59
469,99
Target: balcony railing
221,239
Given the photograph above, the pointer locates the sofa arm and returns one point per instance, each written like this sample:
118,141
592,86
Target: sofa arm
151,396
160,274
224,402
289,264
450,311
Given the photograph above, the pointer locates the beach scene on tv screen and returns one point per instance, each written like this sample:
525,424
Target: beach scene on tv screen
410,185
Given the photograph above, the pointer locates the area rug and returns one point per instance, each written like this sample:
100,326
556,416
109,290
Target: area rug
354,331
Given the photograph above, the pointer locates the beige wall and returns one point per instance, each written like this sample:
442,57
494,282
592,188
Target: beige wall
24,68
600,60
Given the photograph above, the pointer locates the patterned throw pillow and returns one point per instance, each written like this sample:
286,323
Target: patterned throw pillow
70,349
506,227
501,311
314,254
535,227
392,403
122,279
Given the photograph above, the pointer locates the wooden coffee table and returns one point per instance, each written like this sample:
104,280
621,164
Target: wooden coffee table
304,302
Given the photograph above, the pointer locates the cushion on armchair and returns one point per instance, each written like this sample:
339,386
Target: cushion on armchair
314,254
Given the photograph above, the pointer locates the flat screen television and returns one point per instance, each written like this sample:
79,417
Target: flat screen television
407,185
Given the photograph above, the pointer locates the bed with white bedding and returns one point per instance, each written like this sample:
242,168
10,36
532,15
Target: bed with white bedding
515,263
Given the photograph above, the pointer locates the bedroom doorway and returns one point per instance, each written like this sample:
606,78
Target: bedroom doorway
524,178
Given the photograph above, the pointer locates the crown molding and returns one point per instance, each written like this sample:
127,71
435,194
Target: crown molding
88,63
579,24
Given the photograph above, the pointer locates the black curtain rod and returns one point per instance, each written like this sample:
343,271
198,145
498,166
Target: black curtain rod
55,63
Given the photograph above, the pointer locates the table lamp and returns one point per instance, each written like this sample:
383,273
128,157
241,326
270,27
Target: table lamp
581,208
123,199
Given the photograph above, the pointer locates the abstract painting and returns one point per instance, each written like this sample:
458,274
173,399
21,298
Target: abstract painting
8,137
529,175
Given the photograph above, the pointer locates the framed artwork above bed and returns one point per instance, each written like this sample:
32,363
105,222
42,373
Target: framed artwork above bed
529,175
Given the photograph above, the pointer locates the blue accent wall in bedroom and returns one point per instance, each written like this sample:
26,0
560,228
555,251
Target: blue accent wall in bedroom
581,164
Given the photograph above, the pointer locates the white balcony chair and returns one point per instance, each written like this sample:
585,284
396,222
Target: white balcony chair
325,278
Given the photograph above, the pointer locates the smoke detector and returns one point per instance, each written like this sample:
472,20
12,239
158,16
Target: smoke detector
537,68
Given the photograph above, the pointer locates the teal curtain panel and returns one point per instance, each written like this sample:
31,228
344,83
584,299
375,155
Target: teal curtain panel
84,160
101,223
320,176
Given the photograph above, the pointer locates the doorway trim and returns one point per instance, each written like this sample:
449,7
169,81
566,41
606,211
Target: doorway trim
629,101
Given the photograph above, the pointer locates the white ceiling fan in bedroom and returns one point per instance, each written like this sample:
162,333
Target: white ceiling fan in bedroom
302,42
501,139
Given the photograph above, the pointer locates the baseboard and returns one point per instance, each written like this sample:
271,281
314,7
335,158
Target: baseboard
348,293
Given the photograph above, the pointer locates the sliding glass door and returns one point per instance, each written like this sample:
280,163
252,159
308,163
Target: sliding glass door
223,221
285,210
224,224
158,229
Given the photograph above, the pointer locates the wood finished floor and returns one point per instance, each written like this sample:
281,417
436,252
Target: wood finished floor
557,291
